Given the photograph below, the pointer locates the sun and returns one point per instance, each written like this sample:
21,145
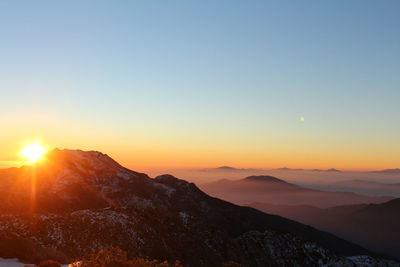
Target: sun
33,152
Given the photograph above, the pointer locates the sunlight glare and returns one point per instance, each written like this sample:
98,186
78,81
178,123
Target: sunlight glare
33,152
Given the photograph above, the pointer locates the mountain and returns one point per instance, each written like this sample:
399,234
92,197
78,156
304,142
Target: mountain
317,170
332,170
388,171
366,187
231,169
374,226
289,169
265,178
227,168
75,202
268,189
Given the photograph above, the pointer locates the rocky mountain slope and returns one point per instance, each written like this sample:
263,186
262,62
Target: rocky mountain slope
74,203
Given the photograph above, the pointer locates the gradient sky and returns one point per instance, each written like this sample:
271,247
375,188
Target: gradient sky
204,83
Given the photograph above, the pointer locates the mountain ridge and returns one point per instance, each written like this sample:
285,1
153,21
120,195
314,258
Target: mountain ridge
269,189
264,178
86,201
388,171
374,226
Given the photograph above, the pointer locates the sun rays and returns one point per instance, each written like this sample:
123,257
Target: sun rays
33,152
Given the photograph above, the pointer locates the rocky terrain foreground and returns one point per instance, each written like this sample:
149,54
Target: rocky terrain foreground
73,203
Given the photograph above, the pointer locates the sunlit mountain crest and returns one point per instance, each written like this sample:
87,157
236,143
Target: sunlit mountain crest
79,202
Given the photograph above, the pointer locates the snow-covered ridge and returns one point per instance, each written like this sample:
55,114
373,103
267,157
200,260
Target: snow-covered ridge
83,159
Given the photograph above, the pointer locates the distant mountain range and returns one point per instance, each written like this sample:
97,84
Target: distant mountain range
388,171
272,190
316,170
233,169
375,226
75,202
362,187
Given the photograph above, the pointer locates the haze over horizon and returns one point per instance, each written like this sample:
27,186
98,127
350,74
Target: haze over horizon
199,133
191,85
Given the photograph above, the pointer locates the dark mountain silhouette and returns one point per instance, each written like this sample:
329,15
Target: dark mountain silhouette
227,168
332,170
375,226
272,190
77,202
264,178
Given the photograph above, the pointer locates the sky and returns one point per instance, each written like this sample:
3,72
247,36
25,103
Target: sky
302,84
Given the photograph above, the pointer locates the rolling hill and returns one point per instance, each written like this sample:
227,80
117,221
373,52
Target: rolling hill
268,189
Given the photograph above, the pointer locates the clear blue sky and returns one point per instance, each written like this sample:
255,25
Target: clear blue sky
204,77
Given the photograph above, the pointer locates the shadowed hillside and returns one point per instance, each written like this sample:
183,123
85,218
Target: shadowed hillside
77,202
375,226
